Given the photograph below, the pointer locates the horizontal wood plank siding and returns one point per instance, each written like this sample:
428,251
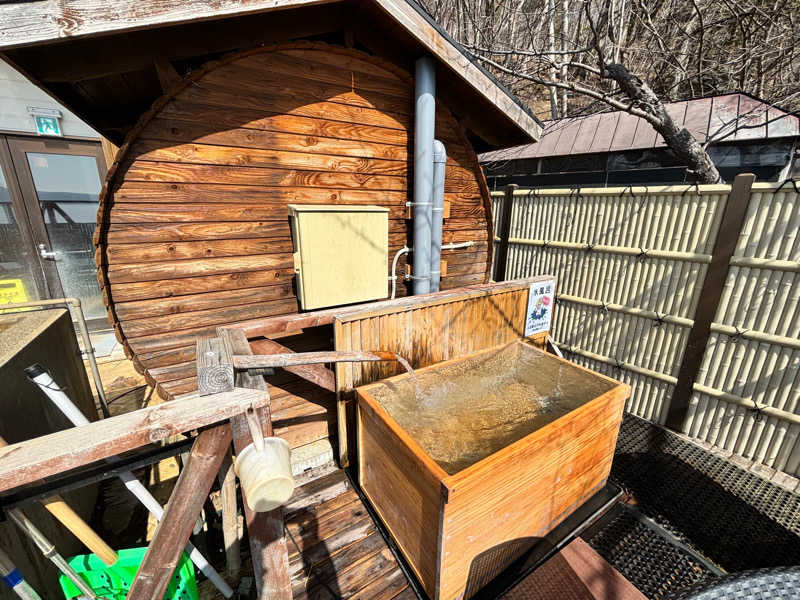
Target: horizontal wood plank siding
435,330
193,231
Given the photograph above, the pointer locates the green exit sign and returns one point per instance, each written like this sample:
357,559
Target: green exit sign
47,125
47,120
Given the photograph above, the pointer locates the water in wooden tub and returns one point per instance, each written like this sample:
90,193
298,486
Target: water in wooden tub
466,411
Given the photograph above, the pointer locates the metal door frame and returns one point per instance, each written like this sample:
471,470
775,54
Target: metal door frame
23,222
13,151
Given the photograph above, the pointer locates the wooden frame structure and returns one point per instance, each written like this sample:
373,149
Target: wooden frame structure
460,530
83,21
427,330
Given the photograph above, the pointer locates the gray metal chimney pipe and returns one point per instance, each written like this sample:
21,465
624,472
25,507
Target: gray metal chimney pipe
439,161
424,124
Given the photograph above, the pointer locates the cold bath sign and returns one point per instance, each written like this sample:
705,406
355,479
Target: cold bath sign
540,307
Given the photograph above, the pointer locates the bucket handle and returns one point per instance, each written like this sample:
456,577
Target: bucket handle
254,424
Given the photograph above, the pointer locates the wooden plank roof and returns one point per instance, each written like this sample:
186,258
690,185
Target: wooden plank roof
28,29
724,118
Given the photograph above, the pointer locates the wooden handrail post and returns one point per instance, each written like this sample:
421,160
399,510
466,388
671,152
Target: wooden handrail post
185,503
710,294
504,232
230,519
268,550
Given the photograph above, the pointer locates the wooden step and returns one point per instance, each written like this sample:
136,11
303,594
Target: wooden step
310,457
335,551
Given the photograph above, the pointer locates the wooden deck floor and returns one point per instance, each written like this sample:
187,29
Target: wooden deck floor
334,549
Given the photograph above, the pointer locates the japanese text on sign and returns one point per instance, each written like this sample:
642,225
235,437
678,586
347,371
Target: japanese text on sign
540,307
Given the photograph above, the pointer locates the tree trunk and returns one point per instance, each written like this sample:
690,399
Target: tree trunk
551,46
678,139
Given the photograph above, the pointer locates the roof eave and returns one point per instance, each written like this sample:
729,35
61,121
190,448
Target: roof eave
48,21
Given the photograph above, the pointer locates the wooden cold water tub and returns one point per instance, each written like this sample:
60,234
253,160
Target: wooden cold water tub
483,456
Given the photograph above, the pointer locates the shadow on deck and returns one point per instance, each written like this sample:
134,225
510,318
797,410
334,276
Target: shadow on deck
690,515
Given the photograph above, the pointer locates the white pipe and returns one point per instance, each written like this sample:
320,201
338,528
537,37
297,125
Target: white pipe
49,551
51,389
437,212
457,245
403,250
14,580
87,341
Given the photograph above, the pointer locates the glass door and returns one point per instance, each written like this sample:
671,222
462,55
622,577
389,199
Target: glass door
59,183
21,278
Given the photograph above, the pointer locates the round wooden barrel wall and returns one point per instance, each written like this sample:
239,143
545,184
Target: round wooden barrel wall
193,229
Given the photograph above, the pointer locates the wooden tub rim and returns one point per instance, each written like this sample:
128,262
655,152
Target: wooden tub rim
449,482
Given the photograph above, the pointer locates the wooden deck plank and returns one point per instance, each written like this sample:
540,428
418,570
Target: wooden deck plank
341,553
385,588
317,492
321,572
318,553
350,581
305,534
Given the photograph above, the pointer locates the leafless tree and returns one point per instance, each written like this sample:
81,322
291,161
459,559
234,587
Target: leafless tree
634,55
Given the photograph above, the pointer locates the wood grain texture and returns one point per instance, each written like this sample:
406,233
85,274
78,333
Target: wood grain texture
316,373
404,486
230,516
482,518
185,503
424,331
265,530
339,553
214,366
193,231
47,455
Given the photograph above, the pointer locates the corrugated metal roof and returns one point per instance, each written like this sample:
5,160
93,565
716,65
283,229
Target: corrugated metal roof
730,117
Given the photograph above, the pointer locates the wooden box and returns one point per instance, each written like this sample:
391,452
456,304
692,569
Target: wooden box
341,253
486,454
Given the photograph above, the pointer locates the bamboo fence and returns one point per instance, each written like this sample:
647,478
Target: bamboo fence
631,264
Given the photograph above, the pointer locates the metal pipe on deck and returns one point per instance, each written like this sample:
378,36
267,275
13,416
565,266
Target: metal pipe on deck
49,551
424,126
439,164
56,395
14,579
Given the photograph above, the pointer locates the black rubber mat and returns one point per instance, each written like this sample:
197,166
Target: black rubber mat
652,562
735,518
781,583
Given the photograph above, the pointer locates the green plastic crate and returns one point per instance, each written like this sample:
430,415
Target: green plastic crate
114,582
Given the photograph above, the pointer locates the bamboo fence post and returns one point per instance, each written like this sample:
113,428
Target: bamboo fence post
504,231
733,219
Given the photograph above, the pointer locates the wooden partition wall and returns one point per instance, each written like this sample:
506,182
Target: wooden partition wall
424,333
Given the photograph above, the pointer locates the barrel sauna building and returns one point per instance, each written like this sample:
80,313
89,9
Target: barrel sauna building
223,118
